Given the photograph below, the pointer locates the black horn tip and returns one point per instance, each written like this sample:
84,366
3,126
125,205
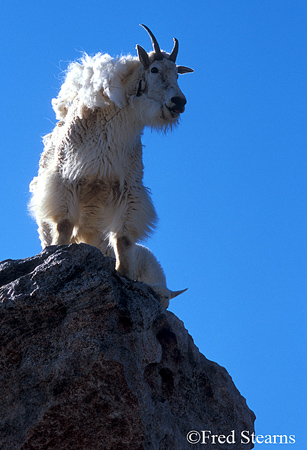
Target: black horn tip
153,41
147,29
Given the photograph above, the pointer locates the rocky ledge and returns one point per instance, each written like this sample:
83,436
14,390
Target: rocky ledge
90,360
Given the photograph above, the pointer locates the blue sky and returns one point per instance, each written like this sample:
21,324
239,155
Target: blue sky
229,184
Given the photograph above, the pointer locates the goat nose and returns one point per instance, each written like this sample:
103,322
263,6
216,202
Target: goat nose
180,102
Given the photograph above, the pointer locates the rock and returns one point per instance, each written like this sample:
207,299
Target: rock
90,360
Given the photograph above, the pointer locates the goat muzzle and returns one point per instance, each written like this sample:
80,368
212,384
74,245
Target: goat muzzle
178,104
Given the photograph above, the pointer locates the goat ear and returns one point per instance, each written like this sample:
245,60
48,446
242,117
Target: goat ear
184,69
174,294
143,56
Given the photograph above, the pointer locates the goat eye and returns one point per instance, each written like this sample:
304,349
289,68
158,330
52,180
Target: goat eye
154,70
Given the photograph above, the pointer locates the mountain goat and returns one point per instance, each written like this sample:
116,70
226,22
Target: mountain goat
148,270
89,185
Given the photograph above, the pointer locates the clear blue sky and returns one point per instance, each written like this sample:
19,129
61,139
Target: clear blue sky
229,184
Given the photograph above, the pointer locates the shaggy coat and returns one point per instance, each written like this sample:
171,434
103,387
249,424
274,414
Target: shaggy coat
89,186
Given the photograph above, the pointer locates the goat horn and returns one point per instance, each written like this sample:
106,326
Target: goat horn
174,294
156,47
173,55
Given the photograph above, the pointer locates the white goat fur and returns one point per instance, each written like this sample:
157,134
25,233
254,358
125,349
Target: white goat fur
89,185
148,270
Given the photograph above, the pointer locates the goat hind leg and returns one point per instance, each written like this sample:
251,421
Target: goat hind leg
124,251
64,232
45,233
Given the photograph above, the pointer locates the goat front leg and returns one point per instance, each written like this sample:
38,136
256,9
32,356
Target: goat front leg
63,235
124,252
